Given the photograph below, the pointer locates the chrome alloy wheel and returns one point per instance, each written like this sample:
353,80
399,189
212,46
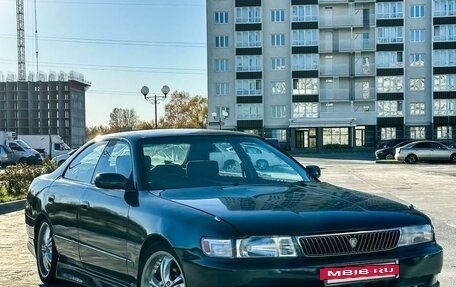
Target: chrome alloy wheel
45,249
162,270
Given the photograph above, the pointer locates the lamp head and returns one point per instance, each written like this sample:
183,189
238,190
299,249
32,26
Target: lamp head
165,90
144,91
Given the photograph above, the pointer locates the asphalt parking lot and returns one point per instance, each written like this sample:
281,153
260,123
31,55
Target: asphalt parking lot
430,187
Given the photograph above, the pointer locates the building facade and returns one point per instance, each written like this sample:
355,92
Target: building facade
333,73
54,104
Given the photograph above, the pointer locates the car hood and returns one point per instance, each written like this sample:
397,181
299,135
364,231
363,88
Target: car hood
315,208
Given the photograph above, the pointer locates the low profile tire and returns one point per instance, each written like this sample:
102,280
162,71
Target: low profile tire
453,158
389,156
160,268
411,159
46,254
262,164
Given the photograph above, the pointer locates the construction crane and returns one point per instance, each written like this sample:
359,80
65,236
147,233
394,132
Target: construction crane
20,40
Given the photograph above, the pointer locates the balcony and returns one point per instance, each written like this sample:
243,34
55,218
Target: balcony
356,19
364,95
347,45
360,117
344,1
334,95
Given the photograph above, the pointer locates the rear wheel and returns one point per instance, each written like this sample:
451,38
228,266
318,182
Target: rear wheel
160,267
389,156
262,164
411,159
231,165
46,254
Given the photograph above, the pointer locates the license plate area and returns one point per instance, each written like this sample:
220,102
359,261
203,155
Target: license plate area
359,273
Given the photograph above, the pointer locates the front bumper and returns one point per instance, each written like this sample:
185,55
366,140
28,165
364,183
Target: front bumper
418,266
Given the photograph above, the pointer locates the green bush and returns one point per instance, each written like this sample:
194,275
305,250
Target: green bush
16,179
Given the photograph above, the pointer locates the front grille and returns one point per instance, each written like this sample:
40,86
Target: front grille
349,243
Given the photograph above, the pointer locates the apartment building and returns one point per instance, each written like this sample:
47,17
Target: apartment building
53,104
333,73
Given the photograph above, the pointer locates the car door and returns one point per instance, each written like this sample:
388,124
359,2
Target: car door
63,200
103,216
440,152
422,150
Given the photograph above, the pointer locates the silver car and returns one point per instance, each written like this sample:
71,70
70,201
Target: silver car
6,156
425,151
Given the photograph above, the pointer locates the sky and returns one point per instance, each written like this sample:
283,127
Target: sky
118,45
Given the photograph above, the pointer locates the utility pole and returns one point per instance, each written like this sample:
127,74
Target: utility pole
21,76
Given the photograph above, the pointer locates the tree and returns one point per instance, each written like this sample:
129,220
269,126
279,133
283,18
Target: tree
145,125
123,120
184,111
92,132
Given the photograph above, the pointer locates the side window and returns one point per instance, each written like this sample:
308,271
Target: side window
115,158
83,166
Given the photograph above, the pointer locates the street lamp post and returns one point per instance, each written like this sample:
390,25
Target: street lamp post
155,99
223,116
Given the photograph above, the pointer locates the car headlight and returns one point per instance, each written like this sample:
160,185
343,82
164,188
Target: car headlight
416,234
251,247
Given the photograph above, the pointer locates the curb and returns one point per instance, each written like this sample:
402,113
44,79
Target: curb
12,206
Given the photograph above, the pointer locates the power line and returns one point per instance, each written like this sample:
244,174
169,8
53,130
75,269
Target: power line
113,41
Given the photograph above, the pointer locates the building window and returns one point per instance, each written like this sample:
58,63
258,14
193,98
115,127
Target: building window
308,37
278,40
304,13
389,84
221,17
279,88
418,133
248,39
360,136
222,89
417,109
417,35
389,109
417,60
387,35
221,41
279,111
417,11
248,63
443,33
444,8
219,110
280,134
388,133
305,110
390,10
278,15
416,84
305,86
248,87
221,65
445,107
390,59
335,136
444,58
445,82
278,64
250,111
444,132
304,62
248,15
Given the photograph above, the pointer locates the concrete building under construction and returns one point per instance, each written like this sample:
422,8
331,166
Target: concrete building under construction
45,104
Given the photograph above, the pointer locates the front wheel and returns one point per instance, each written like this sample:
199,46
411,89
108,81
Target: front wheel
46,254
453,158
411,159
160,267
262,164
389,156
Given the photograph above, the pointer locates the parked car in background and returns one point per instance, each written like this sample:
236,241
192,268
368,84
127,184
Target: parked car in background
62,157
390,143
6,156
425,150
151,208
389,152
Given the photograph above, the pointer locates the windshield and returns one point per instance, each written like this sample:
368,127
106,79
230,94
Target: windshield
23,144
194,161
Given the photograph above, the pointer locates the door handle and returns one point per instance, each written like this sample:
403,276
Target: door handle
51,198
85,205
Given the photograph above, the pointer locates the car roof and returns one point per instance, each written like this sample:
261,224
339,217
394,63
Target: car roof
136,135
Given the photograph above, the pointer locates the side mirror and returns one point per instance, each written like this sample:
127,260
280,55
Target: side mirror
314,170
111,181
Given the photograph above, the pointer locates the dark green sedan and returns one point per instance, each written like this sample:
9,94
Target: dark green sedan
162,209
